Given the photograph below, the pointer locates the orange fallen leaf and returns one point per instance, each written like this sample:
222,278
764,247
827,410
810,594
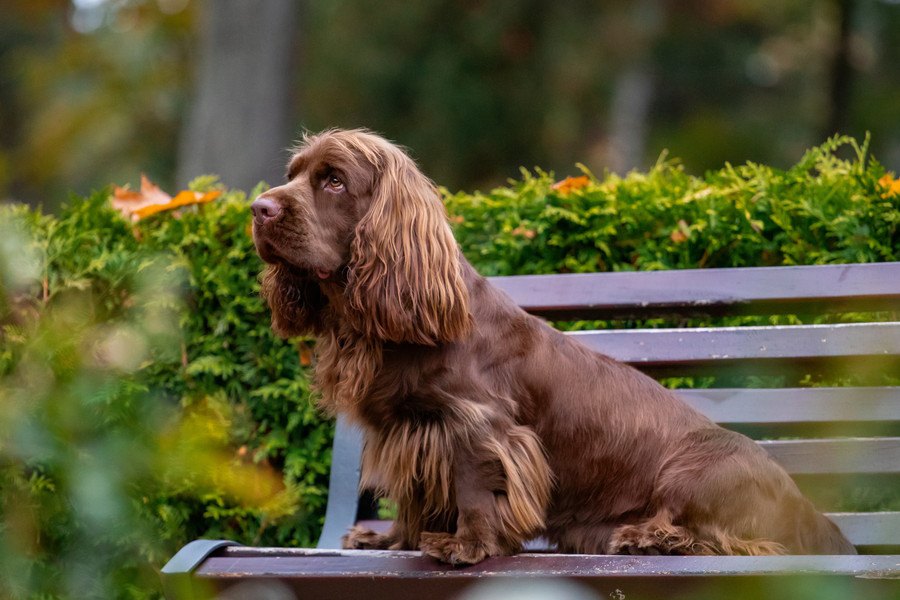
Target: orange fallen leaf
151,199
184,198
128,201
523,232
891,185
305,353
681,233
570,184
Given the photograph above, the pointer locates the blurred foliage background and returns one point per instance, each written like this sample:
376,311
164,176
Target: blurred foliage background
94,91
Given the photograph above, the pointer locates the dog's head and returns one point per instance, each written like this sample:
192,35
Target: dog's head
356,214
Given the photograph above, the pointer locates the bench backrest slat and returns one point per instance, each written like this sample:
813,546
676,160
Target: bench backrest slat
702,349
758,290
796,405
870,529
836,456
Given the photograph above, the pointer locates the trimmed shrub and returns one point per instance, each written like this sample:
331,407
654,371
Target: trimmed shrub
825,209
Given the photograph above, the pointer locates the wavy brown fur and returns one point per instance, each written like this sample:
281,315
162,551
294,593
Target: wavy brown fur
486,426
404,282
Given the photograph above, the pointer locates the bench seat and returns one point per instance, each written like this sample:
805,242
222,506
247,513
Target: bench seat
376,574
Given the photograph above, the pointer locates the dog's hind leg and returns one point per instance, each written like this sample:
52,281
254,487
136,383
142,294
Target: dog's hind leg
717,493
659,535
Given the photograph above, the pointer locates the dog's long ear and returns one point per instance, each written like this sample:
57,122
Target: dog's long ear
404,282
294,299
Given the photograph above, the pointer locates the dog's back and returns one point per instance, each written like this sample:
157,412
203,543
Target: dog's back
638,470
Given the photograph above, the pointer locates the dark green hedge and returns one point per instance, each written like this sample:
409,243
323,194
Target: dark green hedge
823,210
144,401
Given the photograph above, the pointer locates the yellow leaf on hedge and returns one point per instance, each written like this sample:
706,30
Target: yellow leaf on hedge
305,353
184,198
127,201
570,184
891,185
151,199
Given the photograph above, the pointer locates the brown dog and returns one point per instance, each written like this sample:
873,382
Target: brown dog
486,426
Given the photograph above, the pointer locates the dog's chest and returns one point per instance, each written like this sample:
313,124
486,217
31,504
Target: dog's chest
410,462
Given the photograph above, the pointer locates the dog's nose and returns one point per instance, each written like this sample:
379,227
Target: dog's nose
264,209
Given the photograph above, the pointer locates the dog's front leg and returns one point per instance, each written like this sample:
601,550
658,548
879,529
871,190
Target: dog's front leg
502,489
476,524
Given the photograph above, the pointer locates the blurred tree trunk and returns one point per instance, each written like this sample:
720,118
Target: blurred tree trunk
629,116
841,72
633,89
240,121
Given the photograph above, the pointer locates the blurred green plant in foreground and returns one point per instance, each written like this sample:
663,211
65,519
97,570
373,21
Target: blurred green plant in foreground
144,401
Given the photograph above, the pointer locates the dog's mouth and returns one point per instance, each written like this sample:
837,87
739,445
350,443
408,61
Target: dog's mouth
266,251
270,255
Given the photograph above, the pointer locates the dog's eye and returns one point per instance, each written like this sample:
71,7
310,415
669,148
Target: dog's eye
334,183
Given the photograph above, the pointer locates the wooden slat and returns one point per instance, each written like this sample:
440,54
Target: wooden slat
838,456
757,290
785,347
282,572
869,529
796,405
305,562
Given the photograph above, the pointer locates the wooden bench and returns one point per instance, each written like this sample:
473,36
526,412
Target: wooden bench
843,441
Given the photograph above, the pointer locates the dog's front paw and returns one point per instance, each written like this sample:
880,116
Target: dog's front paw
363,538
631,539
452,550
